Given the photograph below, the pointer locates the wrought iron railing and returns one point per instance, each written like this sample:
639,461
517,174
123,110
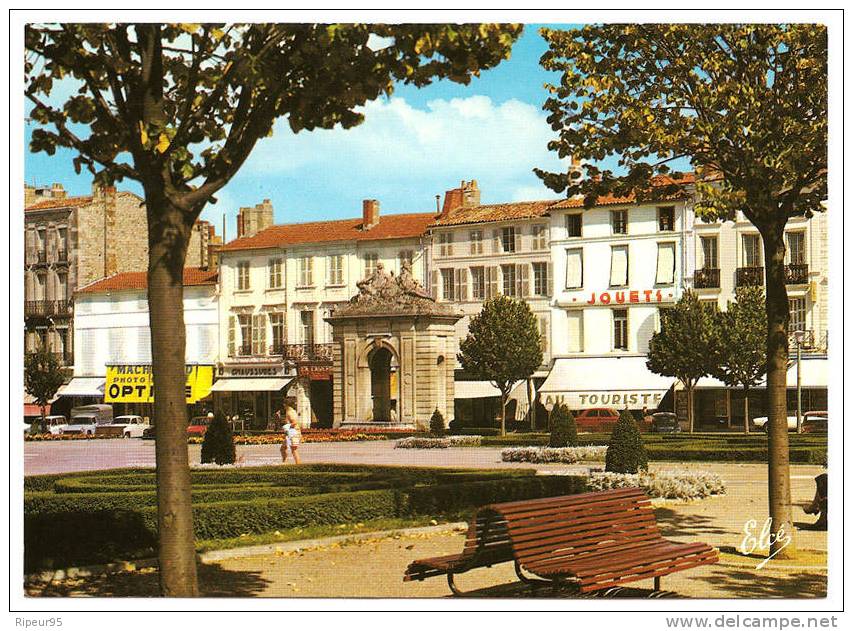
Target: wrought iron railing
796,274
308,352
749,276
807,342
47,308
706,278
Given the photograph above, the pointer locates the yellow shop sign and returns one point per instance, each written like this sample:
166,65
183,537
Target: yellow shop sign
135,383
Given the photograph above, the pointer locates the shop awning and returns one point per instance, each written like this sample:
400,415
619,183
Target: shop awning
475,390
614,382
254,384
814,373
83,387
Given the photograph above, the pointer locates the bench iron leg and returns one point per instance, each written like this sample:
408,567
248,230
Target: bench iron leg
657,583
523,578
452,586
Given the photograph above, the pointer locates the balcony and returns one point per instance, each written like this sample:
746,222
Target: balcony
807,344
60,256
47,308
244,350
308,352
707,278
796,274
749,277
65,358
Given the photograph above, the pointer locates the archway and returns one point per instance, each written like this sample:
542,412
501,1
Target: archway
379,361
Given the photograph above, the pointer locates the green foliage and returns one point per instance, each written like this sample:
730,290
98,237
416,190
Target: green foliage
42,376
625,452
564,430
436,424
117,509
739,343
218,445
503,345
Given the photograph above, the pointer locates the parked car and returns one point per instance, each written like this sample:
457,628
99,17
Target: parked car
596,420
55,423
815,422
665,423
126,426
198,426
761,423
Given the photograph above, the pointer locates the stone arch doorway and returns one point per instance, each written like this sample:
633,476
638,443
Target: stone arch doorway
379,361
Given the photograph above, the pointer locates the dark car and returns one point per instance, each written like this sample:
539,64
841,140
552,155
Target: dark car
815,423
665,423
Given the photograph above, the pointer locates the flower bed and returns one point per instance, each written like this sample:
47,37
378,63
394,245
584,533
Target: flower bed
567,455
682,485
49,437
425,442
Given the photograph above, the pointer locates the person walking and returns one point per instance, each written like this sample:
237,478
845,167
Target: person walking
294,433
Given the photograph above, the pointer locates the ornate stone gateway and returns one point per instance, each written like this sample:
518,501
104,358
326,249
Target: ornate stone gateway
394,353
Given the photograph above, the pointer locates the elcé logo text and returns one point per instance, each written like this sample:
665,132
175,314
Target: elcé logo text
622,297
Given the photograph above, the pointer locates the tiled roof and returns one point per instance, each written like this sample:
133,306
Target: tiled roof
495,212
139,280
67,202
613,200
389,227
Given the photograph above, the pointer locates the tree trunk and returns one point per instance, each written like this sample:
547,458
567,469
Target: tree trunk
43,421
503,412
689,389
779,478
746,410
532,403
168,237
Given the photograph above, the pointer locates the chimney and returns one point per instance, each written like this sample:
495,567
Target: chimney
370,213
251,220
466,196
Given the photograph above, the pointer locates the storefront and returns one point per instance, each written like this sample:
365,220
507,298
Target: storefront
604,382
130,389
251,392
478,403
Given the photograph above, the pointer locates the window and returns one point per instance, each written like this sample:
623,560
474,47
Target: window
666,218
63,241
478,283
540,238
40,239
797,308
751,250
710,256
279,335
335,270
461,288
41,285
796,250
61,286
619,266
574,225
574,268
542,325
447,284
243,275
259,334
405,256
492,281
620,329
306,326
574,331
306,271
508,239
370,261
619,221
541,283
666,264
274,268
509,276
445,244
232,336
245,320
475,239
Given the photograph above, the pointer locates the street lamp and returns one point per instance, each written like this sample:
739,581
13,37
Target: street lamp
798,338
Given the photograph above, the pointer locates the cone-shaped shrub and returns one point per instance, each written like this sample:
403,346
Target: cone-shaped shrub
218,445
564,431
626,453
436,424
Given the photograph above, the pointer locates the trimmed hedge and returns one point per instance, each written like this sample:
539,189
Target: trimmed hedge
70,520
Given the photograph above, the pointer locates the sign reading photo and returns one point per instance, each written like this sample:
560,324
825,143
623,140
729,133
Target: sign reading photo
135,383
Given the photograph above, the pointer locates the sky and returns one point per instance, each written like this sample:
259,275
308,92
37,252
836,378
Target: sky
412,146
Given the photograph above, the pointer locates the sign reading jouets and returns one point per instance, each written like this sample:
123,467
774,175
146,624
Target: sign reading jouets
632,296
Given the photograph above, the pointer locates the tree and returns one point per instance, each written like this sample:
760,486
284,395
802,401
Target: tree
682,347
564,430
740,344
745,104
436,424
42,378
218,445
626,452
503,346
179,108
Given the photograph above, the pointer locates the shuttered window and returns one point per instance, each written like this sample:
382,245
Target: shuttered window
306,271
544,334
540,236
509,276
274,268
335,270
245,334
461,285
475,240
492,281
666,264
620,329
259,331
448,278
243,275
574,331
619,266
574,268
232,336
478,283
522,273
370,261
541,282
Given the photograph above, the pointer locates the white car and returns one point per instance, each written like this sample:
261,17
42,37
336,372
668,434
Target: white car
55,423
81,424
127,425
761,423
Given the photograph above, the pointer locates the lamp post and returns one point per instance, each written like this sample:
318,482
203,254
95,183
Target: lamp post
798,337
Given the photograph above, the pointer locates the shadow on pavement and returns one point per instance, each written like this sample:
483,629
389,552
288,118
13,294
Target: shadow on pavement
520,590
756,584
214,581
674,523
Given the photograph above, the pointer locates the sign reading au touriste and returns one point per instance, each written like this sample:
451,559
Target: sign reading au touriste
135,383
605,398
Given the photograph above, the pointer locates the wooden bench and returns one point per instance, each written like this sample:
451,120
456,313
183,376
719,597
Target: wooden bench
593,540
